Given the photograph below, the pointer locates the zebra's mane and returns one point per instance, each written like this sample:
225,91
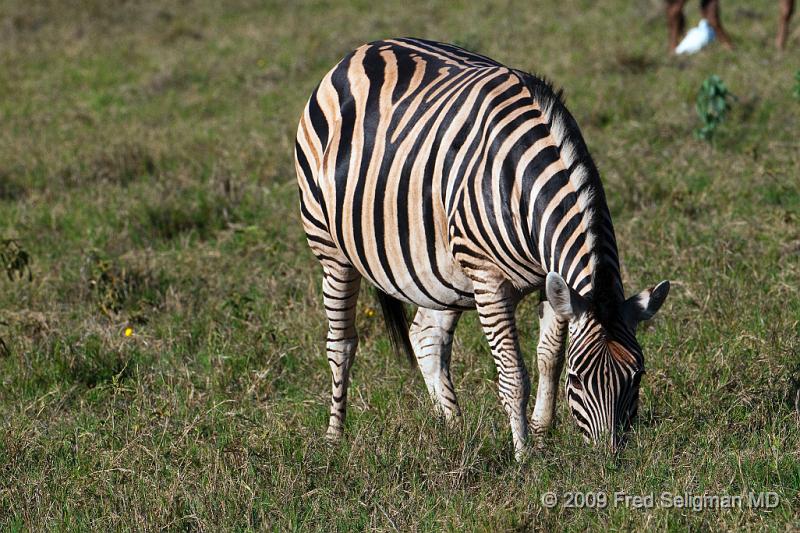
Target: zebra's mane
607,288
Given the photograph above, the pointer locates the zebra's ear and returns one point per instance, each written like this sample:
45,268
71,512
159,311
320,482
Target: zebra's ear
566,303
646,304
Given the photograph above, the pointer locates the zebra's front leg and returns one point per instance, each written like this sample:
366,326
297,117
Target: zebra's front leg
431,334
340,287
496,303
550,360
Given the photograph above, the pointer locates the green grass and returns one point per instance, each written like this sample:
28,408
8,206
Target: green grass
146,166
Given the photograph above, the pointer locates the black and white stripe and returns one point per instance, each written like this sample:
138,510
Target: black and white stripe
453,182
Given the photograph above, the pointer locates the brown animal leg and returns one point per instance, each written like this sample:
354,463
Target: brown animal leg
710,12
675,22
787,9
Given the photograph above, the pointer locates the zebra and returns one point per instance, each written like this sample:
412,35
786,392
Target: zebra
452,182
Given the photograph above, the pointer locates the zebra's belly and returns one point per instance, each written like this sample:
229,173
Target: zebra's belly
404,252
441,287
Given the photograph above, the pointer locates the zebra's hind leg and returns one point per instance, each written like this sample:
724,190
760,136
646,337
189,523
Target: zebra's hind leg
550,360
340,287
431,335
496,301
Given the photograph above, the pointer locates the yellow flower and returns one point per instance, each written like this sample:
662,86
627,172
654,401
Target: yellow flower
128,332
369,312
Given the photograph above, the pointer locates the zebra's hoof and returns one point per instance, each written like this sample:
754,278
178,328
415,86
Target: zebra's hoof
333,436
523,454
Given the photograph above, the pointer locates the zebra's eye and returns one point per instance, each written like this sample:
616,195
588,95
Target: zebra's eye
574,382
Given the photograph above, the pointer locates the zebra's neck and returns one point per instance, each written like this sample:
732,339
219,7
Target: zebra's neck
567,214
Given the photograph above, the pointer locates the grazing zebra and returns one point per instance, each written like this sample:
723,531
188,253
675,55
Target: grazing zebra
453,182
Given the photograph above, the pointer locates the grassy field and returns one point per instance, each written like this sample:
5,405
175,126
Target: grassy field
146,166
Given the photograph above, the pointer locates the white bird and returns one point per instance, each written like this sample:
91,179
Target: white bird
696,39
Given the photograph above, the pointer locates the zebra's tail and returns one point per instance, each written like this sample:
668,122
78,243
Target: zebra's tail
394,314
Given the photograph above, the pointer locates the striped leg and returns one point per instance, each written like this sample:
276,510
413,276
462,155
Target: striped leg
496,303
550,358
340,291
431,334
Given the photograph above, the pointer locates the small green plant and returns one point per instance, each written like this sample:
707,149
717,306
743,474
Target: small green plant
713,103
15,260
797,85
4,350
16,264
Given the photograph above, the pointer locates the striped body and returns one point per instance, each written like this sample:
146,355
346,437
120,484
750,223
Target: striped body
429,153
452,182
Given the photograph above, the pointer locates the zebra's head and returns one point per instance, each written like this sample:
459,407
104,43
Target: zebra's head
604,361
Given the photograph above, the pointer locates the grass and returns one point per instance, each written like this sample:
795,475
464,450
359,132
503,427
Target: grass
145,165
